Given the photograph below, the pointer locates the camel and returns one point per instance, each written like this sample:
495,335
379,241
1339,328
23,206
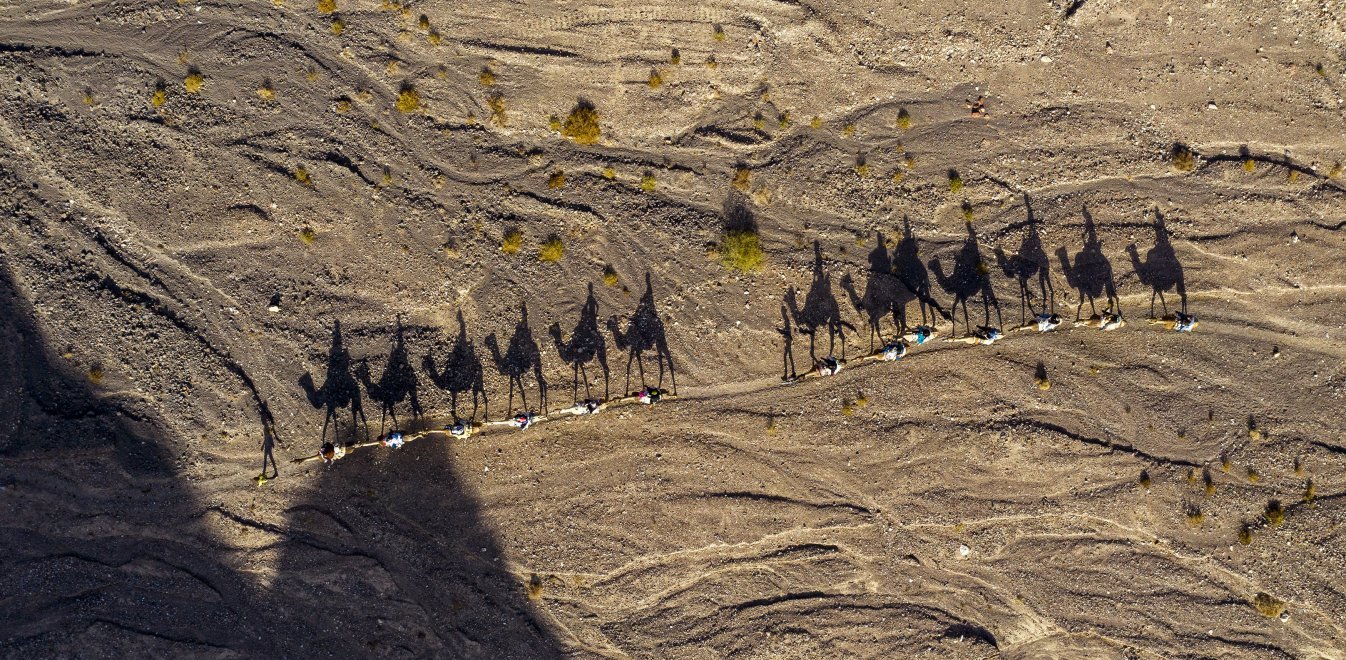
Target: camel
1092,273
521,356
395,385
1029,262
462,371
1161,269
970,277
644,332
586,344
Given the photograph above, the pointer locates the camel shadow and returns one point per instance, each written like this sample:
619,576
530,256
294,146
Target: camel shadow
820,310
520,357
462,372
912,273
339,390
1161,269
970,277
395,385
644,332
586,345
1029,263
1091,275
884,295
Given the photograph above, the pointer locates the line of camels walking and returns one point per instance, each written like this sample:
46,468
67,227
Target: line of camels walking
896,279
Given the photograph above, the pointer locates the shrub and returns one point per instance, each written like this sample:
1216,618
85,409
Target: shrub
610,276
266,91
1191,475
342,106
1245,534
847,407
848,130
326,6
955,182
338,25
1291,175
710,62
423,22
903,119
718,32
1253,476
1335,171
408,99
741,250
486,77
534,587
554,123
1274,513
675,58
655,79
898,176
1182,157
512,241
194,81
556,180
759,122
307,235
1249,165
496,103
301,175
1194,515
1299,466
1207,481
1145,479
966,207
861,400
609,173
433,37
552,249
1310,491
742,177
1225,461
647,182
96,373
1268,606
783,121
160,95
861,165
582,124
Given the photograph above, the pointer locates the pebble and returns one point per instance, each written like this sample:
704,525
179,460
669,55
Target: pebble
964,551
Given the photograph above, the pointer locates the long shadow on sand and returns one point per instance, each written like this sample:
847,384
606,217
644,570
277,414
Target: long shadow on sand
462,373
644,333
820,311
1091,274
911,272
586,344
1028,264
970,277
884,295
1161,269
520,357
395,385
339,390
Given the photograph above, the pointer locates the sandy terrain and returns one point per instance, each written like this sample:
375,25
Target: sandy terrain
228,231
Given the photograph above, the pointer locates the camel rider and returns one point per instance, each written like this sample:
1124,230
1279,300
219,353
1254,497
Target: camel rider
984,335
394,440
649,395
1042,323
523,420
1178,321
895,350
331,453
828,366
919,334
1108,321
460,429
588,407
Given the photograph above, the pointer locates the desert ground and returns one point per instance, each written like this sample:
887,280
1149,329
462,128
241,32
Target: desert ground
235,228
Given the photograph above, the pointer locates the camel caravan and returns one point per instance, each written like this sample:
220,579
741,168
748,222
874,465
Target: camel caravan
896,279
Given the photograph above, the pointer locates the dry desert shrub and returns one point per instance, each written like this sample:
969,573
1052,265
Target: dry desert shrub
1310,492
610,276
1268,605
1245,534
307,235
647,182
496,103
326,6
266,91
816,122
1145,480
96,373
1299,466
302,176
1335,171
1253,476
556,180
408,99
742,177
783,121
1182,157
533,589
955,181
966,208
582,124
338,25
551,250
655,80
903,119
1274,513
609,173
1207,481
423,22
718,31
433,37
675,57
194,81
160,94
741,250
486,77
1225,461
861,165
711,63
512,241
848,130
1194,515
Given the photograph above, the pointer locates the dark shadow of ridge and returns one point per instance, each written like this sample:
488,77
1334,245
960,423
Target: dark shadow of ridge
77,472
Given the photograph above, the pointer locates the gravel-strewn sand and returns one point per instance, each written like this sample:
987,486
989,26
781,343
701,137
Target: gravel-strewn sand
187,279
